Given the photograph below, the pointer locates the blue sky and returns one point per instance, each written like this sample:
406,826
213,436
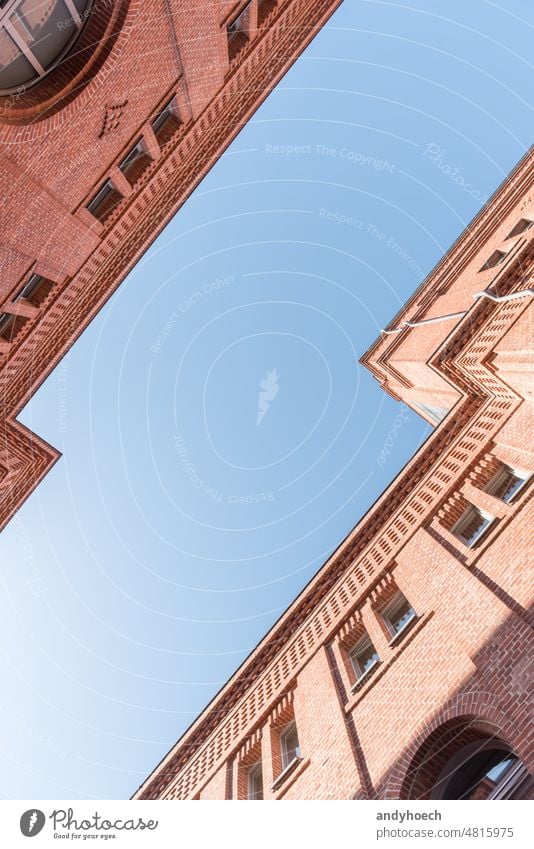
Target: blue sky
175,529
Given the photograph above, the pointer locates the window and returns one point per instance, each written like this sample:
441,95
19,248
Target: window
10,325
255,782
471,525
35,290
33,38
522,225
398,614
363,657
434,413
135,162
104,202
507,483
496,258
236,33
4,323
237,25
289,745
483,772
166,122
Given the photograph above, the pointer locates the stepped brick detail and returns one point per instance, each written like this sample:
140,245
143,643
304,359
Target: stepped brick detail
62,141
452,674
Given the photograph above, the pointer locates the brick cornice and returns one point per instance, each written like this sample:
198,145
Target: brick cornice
518,183
358,562
174,177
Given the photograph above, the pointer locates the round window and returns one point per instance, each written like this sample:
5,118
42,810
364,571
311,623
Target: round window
34,36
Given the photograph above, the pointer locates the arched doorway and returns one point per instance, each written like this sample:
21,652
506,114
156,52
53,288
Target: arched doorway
466,758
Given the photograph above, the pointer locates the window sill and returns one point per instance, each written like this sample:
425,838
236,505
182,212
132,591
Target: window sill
418,623
405,628
471,553
285,772
289,776
468,556
363,679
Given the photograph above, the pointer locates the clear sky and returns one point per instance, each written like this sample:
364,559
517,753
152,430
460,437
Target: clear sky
179,524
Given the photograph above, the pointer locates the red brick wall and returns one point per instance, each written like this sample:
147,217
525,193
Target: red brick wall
460,670
402,359
64,137
216,787
465,658
324,736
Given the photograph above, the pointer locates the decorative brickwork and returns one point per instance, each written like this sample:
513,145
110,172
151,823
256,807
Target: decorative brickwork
453,672
445,666
112,117
86,108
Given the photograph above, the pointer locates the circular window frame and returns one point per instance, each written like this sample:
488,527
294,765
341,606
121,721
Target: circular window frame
76,34
74,77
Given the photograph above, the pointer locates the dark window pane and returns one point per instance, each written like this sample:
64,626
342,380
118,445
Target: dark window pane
46,29
480,775
104,202
495,259
14,67
36,290
43,29
255,782
165,124
134,164
522,225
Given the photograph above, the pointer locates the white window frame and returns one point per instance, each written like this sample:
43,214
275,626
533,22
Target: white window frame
359,647
5,318
286,758
239,23
388,612
465,518
437,414
33,283
493,484
253,772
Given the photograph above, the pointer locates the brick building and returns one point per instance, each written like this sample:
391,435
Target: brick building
402,670
111,112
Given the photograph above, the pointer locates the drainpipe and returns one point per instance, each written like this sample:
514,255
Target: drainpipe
500,299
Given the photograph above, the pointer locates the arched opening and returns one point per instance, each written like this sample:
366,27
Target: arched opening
466,758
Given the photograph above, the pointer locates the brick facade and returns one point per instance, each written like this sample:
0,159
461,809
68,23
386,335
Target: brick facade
68,136
452,679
